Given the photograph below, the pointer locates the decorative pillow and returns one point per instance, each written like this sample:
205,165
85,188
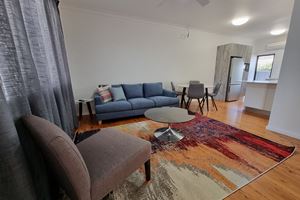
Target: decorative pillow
104,94
153,89
133,90
117,93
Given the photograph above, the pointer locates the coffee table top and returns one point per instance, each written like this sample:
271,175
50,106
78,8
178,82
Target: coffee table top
168,115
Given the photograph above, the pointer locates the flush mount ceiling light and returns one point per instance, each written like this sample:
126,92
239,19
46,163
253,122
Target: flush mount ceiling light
278,31
240,21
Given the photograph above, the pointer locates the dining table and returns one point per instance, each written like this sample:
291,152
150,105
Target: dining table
185,86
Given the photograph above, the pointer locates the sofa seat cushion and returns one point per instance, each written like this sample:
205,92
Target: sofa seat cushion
117,155
115,106
140,103
164,101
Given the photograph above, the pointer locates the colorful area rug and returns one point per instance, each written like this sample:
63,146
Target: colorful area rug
212,161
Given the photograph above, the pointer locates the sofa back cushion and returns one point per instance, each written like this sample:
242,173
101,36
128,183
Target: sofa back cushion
153,89
116,85
61,155
133,90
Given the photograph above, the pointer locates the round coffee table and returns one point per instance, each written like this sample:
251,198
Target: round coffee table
168,115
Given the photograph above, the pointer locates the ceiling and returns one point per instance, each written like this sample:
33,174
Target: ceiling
215,17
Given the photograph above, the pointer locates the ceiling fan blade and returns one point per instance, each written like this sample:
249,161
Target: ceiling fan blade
203,2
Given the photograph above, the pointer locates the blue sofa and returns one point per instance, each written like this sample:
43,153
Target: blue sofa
139,98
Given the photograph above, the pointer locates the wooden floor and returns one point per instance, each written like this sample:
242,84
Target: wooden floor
282,182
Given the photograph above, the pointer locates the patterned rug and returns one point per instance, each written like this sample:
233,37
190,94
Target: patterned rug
210,162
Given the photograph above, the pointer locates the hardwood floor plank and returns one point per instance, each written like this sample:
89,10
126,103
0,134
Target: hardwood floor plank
282,182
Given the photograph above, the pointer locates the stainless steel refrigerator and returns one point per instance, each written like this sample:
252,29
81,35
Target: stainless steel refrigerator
235,79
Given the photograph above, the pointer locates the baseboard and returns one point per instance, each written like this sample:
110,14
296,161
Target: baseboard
258,112
284,132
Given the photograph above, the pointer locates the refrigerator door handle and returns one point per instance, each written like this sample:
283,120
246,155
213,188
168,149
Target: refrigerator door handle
229,82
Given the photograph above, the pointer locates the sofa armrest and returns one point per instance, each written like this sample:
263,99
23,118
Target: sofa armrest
97,99
169,93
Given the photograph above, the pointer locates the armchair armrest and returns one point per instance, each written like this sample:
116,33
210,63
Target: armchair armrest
169,93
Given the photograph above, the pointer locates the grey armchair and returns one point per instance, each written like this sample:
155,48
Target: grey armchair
93,168
196,91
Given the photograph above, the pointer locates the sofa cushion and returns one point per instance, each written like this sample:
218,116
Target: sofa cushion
117,155
114,106
117,93
133,90
61,155
140,103
153,89
164,101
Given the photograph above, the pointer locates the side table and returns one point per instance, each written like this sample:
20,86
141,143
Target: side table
88,103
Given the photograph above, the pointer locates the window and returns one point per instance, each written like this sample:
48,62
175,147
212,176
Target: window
264,66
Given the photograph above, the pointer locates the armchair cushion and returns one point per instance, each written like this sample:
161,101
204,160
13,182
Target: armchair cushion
117,155
133,90
153,89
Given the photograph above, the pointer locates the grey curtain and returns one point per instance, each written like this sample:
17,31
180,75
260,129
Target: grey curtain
34,79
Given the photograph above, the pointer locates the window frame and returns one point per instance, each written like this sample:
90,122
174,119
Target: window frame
257,58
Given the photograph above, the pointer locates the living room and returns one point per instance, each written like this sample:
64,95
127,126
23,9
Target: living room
160,99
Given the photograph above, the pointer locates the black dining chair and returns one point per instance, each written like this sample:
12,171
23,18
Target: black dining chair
196,91
214,93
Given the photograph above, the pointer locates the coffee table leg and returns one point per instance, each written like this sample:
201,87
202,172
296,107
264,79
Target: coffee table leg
168,134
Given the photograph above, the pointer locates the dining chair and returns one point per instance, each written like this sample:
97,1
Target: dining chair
196,91
194,82
178,93
214,93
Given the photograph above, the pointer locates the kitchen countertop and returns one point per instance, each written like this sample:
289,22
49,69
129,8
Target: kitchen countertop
262,82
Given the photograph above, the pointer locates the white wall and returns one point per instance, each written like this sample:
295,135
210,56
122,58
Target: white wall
285,114
111,49
259,48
